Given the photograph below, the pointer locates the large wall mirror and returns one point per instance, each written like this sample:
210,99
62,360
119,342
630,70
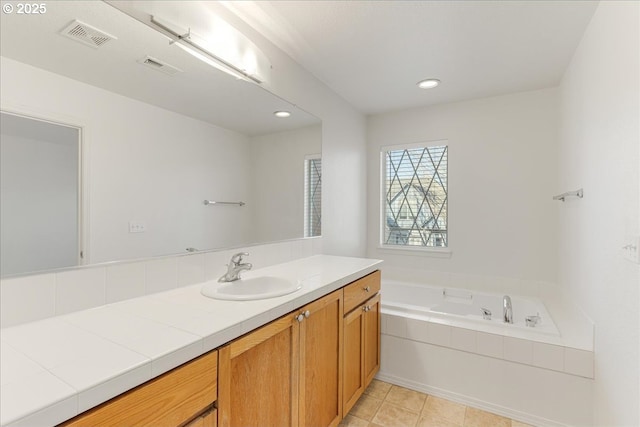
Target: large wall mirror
157,133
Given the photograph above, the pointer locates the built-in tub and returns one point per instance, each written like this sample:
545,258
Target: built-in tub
464,308
436,341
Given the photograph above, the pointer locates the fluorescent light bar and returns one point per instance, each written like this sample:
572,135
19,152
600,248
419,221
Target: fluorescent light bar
202,54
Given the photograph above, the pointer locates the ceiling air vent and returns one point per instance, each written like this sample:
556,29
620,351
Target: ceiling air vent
159,65
86,34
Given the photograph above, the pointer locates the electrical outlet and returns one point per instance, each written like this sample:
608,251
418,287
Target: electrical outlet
631,249
137,227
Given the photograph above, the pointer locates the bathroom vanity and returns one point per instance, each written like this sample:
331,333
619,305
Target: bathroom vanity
298,359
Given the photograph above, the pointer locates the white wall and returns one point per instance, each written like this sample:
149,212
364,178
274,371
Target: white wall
344,209
38,202
599,150
277,162
502,174
142,163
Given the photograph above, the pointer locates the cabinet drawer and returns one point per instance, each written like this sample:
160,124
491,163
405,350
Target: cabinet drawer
172,399
361,290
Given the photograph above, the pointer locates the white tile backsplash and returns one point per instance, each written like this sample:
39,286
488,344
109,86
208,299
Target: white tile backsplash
80,289
215,264
191,269
30,298
161,275
25,299
125,281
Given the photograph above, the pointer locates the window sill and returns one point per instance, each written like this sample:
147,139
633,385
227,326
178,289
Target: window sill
427,252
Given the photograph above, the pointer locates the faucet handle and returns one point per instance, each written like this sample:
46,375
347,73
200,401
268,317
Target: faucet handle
237,258
532,321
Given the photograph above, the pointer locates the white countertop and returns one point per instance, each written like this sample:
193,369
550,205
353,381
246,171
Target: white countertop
53,369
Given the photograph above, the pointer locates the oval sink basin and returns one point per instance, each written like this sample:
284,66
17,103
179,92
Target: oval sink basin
250,289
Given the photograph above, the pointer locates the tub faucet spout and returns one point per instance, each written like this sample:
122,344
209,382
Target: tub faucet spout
507,310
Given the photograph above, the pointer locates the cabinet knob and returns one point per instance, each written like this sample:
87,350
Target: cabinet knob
366,288
307,313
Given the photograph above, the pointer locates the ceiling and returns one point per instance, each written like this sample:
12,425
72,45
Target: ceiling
373,53
198,91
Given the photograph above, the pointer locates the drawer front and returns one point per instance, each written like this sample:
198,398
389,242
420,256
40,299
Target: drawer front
169,400
361,290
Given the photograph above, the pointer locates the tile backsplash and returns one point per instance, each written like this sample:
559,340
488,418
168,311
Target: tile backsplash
30,298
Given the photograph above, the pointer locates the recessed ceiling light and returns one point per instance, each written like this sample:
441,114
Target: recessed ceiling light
428,83
282,114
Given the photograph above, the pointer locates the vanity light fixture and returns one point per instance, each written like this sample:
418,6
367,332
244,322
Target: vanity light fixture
428,83
282,114
186,42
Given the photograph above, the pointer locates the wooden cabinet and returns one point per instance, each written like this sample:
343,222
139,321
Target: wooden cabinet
307,368
287,373
361,338
172,399
208,419
320,402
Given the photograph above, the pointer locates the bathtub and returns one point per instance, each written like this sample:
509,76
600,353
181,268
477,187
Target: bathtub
435,340
464,308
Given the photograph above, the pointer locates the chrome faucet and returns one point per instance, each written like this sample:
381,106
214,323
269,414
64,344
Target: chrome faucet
235,267
507,311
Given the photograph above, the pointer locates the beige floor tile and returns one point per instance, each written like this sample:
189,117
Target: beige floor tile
351,421
478,418
390,415
366,407
438,408
515,423
378,389
431,421
405,398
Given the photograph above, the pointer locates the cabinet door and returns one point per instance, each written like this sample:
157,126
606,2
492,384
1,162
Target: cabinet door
320,401
361,350
371,323
353,385
258,377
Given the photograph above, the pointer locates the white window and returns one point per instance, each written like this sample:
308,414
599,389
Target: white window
414,193
312,196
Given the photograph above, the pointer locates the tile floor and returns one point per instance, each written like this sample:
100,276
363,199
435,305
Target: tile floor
386,405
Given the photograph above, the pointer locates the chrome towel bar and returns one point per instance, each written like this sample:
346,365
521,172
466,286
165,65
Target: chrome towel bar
577,193
212,202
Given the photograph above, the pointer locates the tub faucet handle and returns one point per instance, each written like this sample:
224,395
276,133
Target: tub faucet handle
532,321
486,313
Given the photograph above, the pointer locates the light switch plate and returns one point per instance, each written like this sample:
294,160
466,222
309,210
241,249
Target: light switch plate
137,227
